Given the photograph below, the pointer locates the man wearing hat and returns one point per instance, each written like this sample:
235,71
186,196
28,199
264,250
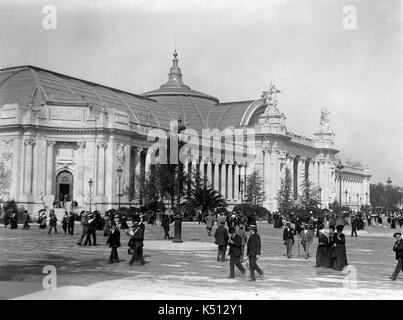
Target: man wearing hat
398,249
306,239
114,243
241,232
288,238
235,252
136,243
221,240
253,252
91,231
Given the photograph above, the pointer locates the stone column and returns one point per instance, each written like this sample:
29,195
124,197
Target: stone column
267,176
126,174
81,147
137,162
29,146
223,180
311,173
194,169
242,177
209,173
290,166
301,174
186,166
275,173
148,160
230,181
217,175
101,168
236,181
201,170
50,166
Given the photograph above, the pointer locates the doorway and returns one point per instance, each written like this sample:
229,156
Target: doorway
64,186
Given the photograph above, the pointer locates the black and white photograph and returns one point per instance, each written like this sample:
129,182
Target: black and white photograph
205,151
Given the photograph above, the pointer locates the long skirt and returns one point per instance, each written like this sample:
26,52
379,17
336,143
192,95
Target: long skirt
322,256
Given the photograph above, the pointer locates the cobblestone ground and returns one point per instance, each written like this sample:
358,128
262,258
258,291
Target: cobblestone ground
189,270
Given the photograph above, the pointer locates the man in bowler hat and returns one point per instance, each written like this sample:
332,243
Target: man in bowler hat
235,253
253,252
114,243
221,239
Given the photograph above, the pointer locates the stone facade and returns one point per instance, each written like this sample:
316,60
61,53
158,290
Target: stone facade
55,137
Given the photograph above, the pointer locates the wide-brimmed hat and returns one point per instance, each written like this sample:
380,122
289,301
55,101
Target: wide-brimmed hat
397,233
252,226
135,223
339,227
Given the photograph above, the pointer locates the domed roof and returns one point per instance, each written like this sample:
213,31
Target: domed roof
189,105
29,84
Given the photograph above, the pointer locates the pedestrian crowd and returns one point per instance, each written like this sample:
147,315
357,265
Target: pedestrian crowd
231,230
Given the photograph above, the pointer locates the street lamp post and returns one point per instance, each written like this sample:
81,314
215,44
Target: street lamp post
366,198
389,182
178,214
119,171
346,192
339,167
90,182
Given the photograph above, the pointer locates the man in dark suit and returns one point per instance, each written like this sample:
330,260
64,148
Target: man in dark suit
354,225
288,238
70,223
136,243
235,253
91,231
52,221
398,249
253,252
221,239
114,243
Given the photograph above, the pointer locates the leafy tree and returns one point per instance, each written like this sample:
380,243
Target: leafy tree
309,197
384,196
5,181
284,197
255,193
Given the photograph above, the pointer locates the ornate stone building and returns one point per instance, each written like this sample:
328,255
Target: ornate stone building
57,133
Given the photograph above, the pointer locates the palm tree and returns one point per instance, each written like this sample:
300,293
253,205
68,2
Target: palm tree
206,198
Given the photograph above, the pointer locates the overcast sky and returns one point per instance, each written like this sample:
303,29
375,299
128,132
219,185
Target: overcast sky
233,50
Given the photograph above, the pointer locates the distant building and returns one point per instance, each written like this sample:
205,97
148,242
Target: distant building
58,132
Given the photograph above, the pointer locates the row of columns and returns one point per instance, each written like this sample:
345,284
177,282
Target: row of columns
222,176
354,187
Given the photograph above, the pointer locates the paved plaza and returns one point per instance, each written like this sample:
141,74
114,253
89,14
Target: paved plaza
189,270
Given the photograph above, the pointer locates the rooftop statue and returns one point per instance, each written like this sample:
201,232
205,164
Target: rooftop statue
270,95
324,120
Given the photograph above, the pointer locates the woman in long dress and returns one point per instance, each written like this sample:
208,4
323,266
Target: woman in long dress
322,250
339,251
